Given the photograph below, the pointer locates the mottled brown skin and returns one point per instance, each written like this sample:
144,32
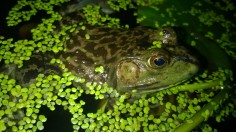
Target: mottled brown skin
104,48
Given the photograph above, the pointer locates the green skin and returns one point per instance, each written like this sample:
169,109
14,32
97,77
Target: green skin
141,73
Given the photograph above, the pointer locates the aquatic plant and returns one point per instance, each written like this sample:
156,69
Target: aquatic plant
181,108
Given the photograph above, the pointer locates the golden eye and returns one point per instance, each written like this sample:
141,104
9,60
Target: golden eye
157,61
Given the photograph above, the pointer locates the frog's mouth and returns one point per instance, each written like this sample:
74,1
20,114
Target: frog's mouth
148,88
153,87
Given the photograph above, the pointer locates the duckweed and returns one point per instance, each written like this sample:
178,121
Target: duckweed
156,44
99,69
93,17
20,105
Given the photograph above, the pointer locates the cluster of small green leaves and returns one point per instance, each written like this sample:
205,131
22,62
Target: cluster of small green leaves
208,128
20,105
120,4
17,14
100,91
228,45
49,91
14,99
45,37
213,17
227,110
15,52
225,39
157,43
148,2
210,17
216,92
225,5
124,116
93,17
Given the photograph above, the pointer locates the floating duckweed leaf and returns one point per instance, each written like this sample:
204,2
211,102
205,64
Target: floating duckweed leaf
42,118
40,125
29,111
87,36
157,44
99,69
101,96
84,126
52,108
14,128
2,125
11,104
27,119
146,110
168,105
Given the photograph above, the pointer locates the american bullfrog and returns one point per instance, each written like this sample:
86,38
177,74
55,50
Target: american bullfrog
129,62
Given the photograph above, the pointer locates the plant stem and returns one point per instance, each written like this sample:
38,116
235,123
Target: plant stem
208,108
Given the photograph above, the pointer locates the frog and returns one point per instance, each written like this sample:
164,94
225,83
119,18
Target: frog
128,62
125,54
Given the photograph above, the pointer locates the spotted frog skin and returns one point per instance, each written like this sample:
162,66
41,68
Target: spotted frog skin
129,62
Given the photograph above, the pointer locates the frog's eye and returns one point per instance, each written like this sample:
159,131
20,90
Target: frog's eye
166,33
157,61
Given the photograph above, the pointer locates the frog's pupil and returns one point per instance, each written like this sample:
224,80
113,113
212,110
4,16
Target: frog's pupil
159,61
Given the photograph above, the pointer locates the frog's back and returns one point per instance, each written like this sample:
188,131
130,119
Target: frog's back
105,47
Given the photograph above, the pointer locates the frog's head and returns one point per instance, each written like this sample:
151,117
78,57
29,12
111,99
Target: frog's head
155,69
